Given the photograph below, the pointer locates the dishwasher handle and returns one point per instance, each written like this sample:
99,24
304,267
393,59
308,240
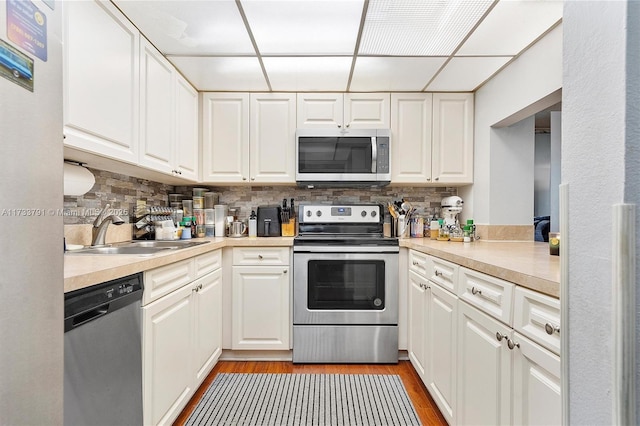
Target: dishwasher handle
93,313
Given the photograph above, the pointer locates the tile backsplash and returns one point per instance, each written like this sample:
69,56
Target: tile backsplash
122,192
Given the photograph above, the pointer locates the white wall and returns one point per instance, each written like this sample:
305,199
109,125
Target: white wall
535,78
542,175
599,151
556,165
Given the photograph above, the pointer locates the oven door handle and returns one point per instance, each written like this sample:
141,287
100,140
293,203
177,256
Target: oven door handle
346,249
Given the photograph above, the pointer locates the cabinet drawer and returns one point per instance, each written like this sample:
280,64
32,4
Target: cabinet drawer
418,263
537,316
207,262
165,279
443,273
489,294
261,256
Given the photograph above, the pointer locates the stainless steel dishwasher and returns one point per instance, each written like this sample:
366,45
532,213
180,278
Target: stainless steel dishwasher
103,354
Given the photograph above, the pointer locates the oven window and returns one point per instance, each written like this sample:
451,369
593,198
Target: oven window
346,284
334,155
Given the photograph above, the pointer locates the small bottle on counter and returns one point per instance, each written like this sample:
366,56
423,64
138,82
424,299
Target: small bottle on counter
434,231
253,225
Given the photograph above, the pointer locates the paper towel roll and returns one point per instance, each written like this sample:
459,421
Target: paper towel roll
77,180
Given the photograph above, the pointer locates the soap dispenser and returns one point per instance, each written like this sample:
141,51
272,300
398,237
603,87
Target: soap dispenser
253,224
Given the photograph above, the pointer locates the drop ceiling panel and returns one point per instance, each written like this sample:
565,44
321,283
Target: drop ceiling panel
466,74
309,73
511,26
190,27
222,73
418,27
304,27
394,73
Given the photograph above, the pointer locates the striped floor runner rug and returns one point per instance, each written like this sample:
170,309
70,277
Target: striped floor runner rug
305,399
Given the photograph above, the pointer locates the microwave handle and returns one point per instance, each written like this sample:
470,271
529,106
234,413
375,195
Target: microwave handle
374,155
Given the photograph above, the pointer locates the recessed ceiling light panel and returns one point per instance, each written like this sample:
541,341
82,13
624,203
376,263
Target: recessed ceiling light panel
308,74
419,27
466,73
374,73
222,73
304,27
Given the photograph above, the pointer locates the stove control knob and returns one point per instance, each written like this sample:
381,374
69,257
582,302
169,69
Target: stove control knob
318,213
373,213
363,214
308,213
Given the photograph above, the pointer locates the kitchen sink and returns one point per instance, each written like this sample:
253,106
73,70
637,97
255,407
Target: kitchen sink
139,248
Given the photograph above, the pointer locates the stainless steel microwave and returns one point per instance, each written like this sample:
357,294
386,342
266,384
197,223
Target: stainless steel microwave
343,157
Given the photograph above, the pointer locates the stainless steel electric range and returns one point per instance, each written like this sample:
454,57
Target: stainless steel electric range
345,290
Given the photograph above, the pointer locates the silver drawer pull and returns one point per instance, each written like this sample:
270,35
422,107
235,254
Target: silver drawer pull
415,263
259,256
550,329
500,336
475,291
511,344
438,273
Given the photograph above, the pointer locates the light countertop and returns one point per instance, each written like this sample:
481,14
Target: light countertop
525,263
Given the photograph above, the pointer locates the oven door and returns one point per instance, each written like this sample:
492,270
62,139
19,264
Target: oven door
343,285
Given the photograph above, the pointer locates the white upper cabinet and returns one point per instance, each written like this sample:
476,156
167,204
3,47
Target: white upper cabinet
248,138
411,115
272,151
348,110
187,143
101,80
156,109
168,117
432,138
225,137
452,150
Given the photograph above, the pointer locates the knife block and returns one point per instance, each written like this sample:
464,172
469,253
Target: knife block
289,228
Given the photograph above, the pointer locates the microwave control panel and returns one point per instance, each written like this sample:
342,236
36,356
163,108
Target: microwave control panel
382,160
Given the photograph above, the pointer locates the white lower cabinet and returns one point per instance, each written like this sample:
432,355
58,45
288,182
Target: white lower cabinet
260,307
536,384
181,342
261,304
432,340
480,366
484,369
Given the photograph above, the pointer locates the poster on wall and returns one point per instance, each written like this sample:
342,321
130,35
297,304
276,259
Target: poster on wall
16,66
27,27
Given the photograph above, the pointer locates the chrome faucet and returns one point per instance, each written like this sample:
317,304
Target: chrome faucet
101,224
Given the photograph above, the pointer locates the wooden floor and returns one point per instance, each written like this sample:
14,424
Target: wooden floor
422,402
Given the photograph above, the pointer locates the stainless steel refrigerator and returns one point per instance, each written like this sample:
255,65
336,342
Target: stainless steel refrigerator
31,200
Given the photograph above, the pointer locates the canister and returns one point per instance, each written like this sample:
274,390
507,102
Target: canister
210,200
209,216
199,215
199,192
198,202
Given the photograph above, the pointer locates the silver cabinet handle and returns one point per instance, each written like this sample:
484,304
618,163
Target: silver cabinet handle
260,256
244,178
511,344
437,178
428,179
339,126
475,291
253,178
348,124
438,273
415,263
285,271
500,336
550,328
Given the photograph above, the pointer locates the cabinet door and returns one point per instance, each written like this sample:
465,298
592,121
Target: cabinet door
320,110
186,140
272,138
411,115
260,311
157,110
452,150
367,110
101,80
166,353
441,349
536,384
484,369
417,321
207,324
225,137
